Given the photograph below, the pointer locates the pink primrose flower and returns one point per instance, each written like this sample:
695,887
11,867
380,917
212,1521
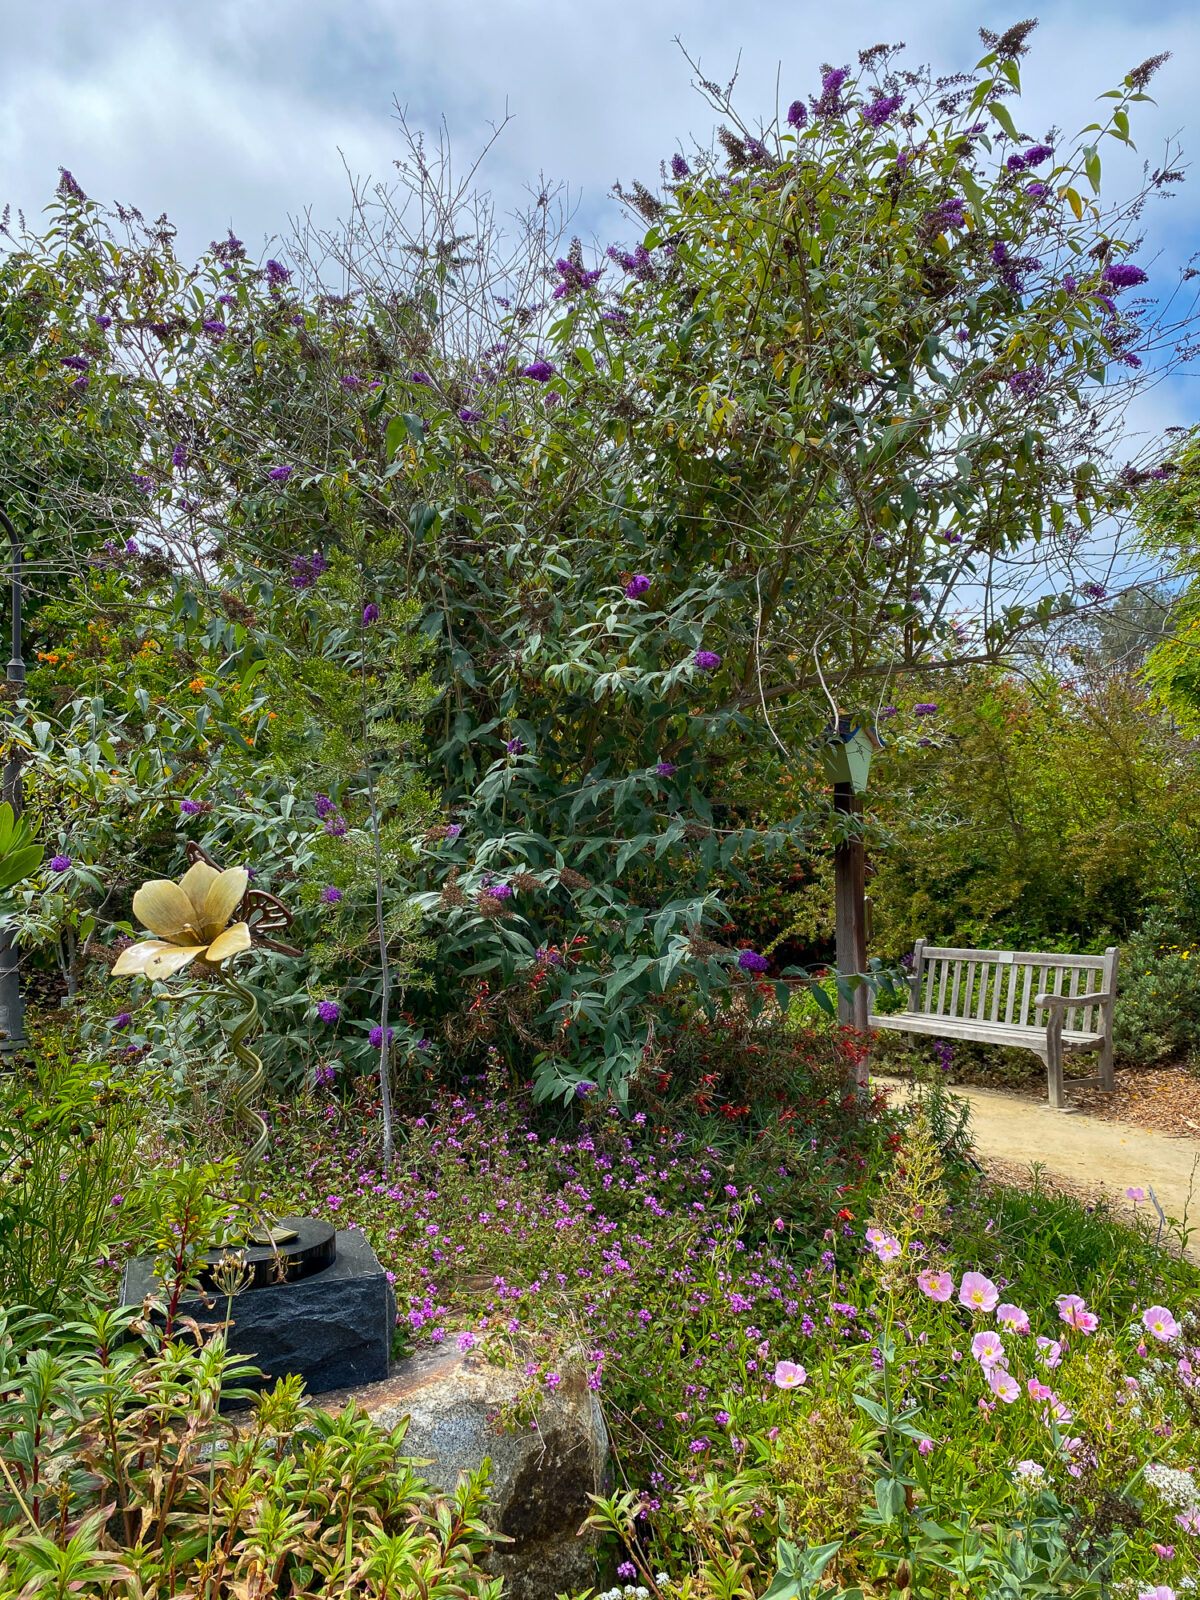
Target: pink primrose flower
977,1293
935,1285
789,1375
1159,1321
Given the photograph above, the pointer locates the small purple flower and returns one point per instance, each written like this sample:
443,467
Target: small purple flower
1015,163
277,274
422,378
1094,591
468,414
751,961
328,1010
140,482
637,586
122,1020
1036,154
179,456
324,1075
323,806
422,1044
370,613
500,891
887,711
666,769
60,863
67,186
679,167
882,109
925,708
453,830
626,1570
375,1037
76,363
583,1088
190,808
539,371
214,326
227,299
102,321
515,747
797,115
706,660
331,895
229,249
280,474
82,382
335,826
1123,275
1037,191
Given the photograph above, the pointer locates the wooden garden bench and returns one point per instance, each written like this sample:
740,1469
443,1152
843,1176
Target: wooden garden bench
1054,1005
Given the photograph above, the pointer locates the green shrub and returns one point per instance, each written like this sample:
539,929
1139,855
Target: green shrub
1158,996
68,1132
121,1476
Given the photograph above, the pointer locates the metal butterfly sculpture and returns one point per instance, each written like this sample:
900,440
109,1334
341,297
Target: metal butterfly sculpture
264,914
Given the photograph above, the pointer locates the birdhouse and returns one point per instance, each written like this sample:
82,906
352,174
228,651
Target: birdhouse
847,750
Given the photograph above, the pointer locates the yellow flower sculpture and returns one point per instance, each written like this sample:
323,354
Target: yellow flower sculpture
189,918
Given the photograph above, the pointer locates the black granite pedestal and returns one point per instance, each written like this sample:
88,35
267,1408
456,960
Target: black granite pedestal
333,1327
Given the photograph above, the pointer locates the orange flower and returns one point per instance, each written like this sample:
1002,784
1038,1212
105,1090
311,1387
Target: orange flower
196,685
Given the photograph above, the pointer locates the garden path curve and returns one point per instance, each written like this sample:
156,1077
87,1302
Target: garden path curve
1086,1151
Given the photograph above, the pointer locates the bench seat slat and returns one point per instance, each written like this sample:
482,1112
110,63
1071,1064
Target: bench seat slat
972,1028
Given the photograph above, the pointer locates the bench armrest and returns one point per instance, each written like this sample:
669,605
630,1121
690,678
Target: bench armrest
1101,996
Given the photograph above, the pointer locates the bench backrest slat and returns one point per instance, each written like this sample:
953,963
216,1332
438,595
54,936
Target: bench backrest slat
999,985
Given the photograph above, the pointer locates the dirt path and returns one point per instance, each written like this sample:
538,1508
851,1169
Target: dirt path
1090,1153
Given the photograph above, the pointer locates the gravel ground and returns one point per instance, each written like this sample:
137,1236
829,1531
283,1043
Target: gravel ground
1166,1099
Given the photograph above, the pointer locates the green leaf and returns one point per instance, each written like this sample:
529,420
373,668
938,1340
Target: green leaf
1004,117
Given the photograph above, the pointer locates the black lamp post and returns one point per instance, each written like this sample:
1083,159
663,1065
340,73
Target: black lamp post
12,1007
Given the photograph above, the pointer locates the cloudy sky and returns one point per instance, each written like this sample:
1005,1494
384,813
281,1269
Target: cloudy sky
240,112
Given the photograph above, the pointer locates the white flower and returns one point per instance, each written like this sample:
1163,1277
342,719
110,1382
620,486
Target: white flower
1176,1487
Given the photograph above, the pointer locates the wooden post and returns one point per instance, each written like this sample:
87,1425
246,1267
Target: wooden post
851,921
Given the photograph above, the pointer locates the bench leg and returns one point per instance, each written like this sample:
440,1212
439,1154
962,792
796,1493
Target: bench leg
1054,1075
1107,1081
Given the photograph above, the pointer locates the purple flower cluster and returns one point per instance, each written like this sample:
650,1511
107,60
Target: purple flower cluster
1094,591
679,167
539,371
329,1011
191,808
829,104
277,274
1123,275
637,586
882,109
1033,156
666,769
1028,382
370,614
331,895
280,474
751,961
307,569
214,327
574,278
797,114
515,746
636,263
60,863
949,214
67,186
925,708
375,1037
706,660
